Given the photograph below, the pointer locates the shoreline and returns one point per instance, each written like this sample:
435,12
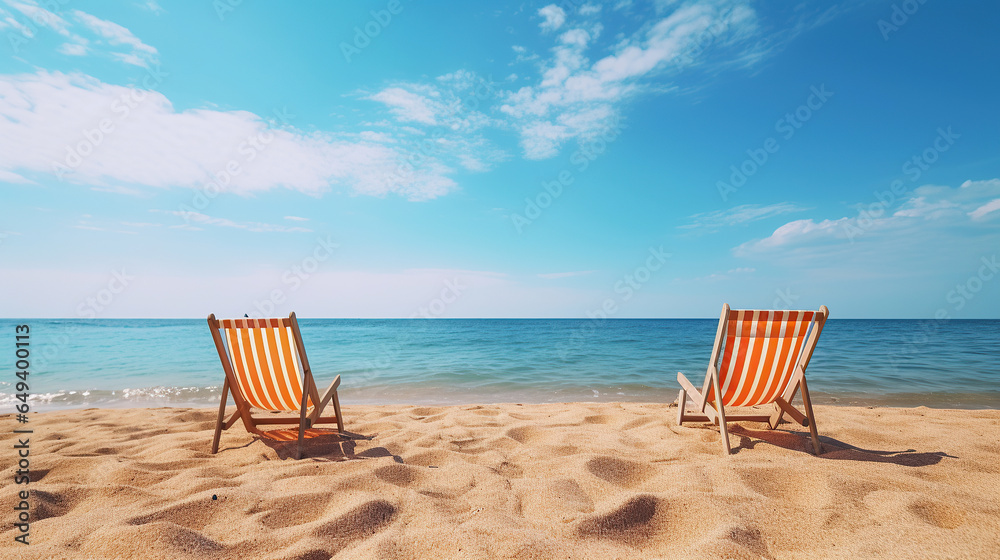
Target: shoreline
585,480
933,400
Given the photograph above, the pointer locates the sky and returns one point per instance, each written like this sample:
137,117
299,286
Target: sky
527,159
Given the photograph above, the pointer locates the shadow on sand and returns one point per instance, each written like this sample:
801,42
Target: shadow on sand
322,445
832,448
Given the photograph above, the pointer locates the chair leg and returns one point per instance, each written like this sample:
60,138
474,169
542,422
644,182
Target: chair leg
681,405
723,428
772,424
813,432
336,410
721,410
222,417
302,423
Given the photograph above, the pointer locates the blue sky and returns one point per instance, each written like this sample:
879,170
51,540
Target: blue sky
397,159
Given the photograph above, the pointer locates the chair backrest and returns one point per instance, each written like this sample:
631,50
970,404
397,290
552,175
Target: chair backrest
761,351
265,359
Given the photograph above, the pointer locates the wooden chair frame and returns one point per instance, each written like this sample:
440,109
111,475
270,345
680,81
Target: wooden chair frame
715,412
305,420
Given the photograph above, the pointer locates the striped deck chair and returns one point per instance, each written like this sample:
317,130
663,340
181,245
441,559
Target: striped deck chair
764,362
266,368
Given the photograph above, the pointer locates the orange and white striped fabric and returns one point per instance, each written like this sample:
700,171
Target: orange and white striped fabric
265,361
761,351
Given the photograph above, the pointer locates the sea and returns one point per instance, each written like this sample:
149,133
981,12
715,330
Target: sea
126,363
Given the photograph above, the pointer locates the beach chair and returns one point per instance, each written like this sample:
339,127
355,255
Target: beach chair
764,356
267,368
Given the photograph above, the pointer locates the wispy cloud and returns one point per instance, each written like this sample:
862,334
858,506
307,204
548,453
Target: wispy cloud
114,33
140,53
576,98
408,106
930,212
152,145
86,223
731,273
73,49
985,209
77,24
191,217
152,6
557,275
441,121
40,16
296,219
738,215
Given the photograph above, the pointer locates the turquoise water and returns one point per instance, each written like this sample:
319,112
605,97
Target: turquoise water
152,362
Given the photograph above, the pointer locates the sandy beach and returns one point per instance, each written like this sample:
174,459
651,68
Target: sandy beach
610,480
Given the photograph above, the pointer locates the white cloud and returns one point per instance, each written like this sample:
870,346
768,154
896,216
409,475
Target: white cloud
42,17
590,9
152,6
797,233
114,33
554,17
452,101
205,220
522,55
73,49
737,215
11,177
131,58
152,145
103,32
557,275
296,219
930,212
9,21
572,90
406,105
442,119
982,211
716,276
141,54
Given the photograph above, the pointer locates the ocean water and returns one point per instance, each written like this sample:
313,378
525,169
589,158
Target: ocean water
153,362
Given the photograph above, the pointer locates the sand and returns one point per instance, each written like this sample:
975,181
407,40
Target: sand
609,480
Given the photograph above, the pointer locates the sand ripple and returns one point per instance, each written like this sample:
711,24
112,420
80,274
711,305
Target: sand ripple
607,480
